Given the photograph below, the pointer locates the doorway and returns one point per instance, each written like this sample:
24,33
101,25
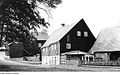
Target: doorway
114,55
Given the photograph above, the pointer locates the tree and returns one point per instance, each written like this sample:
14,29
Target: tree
18,17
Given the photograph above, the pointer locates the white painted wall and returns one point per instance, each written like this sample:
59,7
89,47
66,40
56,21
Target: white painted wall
3,55
51,60
17,59
33,58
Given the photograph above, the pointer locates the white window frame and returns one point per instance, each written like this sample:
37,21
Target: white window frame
43,50
79,33
52,47
68,38
68,45
85,34
39,44
55,46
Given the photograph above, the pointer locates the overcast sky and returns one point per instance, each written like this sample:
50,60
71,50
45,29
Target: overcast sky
98,14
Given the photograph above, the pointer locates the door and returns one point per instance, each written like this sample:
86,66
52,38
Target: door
55,60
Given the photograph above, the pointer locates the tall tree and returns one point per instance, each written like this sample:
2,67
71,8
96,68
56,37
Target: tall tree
18,17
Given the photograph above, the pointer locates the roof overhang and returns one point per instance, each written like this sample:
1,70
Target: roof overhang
105,51
74,53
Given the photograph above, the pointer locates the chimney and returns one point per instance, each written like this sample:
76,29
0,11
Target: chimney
63,25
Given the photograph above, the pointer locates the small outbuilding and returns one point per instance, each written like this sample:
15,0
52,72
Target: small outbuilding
16,50
41,39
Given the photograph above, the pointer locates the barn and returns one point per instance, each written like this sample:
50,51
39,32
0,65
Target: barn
107,46
74,37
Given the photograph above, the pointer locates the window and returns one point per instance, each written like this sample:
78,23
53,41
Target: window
52,47
46,49
55,46
39,44
68,45
91,59
68,57
43,49
78,33
68,38
49,48
85,34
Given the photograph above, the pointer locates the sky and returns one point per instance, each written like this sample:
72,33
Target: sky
98,14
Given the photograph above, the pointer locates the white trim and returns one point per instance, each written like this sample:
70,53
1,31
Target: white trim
85,34
79,33
51,60
55,46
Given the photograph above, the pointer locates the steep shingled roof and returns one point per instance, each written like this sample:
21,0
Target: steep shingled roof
58,34
107,40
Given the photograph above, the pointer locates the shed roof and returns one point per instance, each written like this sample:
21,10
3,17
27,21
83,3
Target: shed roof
58,34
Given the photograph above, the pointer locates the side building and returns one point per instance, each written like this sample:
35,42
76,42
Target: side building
76,38
16,49
41,39
106,48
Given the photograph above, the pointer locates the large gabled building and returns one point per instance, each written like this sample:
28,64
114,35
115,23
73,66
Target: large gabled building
74,37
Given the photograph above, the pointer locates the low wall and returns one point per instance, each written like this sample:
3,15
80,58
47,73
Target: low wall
33,58
3,55
51,60
17,59
72,62
104,63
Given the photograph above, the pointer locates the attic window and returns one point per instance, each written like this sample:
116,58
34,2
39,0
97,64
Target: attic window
68,45
68,38
78,33
85,34
39,44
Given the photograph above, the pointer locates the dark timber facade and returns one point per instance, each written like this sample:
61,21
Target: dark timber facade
68,38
